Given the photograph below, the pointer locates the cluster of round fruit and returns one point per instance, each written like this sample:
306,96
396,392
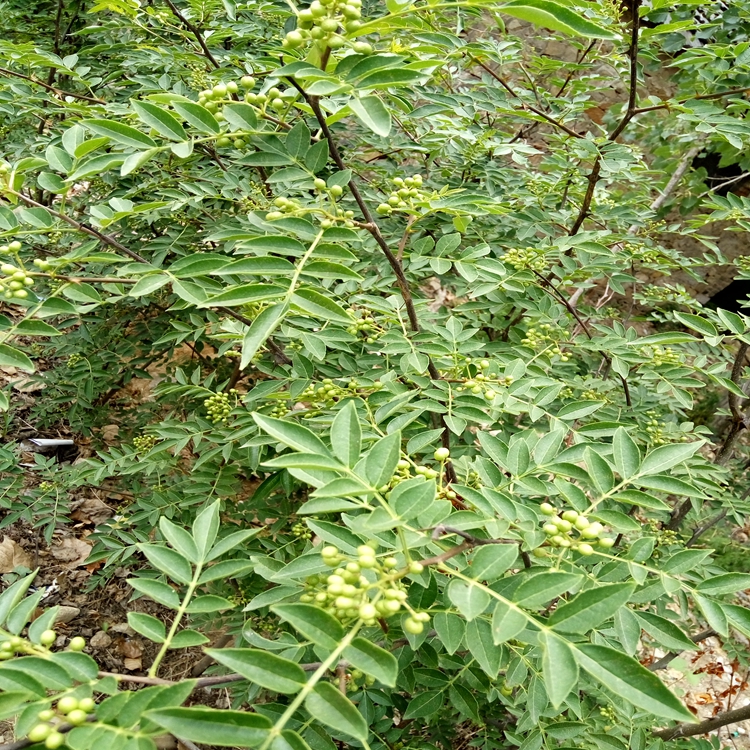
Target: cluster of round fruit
406,192
660,355
323,21
275,98
559,529
69,710
356,678
219,406
46,486
15,282
525,259
11,247
329,393
365,326
480,383
75,359
345,593
677,294
301,531
660,434
543,336
144,443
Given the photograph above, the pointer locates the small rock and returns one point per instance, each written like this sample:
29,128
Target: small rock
66,614
100,640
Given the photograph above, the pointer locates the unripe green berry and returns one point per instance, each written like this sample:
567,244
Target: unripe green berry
66,704
46,715
319,184
232,87
582,523
442,454
416,567
40,732
14,246
337,191
585,549
367,611
87,705
247,82
547,509
77,644
412,626
219,90
54,741
563,525
570,515
550,529
607,542
77,717
48,637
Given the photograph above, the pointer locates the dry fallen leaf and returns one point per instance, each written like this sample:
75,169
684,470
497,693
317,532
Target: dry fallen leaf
110,432
71,551
13,556
133,665
91,510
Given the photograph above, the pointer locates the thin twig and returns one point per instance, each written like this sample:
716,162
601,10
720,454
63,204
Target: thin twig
717,95
702,727
195,31
667,658
105,238
53,89
701,530
630,111
527,107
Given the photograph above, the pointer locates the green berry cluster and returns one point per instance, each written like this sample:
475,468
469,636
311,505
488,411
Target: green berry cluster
657,293
144,443
660,355
275,98
279,408
525,259
659,433
365,327
329,393
406,192
69,710
289,207
219,406
75,359
43,265
545,335
301,531
473,480
367,588
10,248
324,22
356,678
559,529
481,384
15,282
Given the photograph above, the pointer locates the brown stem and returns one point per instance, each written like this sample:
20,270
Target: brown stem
702,727
701,530
667,658
53,89
105,238
527,107
278,353
195,31
738,418
667,105
630,111
393,261
203,664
